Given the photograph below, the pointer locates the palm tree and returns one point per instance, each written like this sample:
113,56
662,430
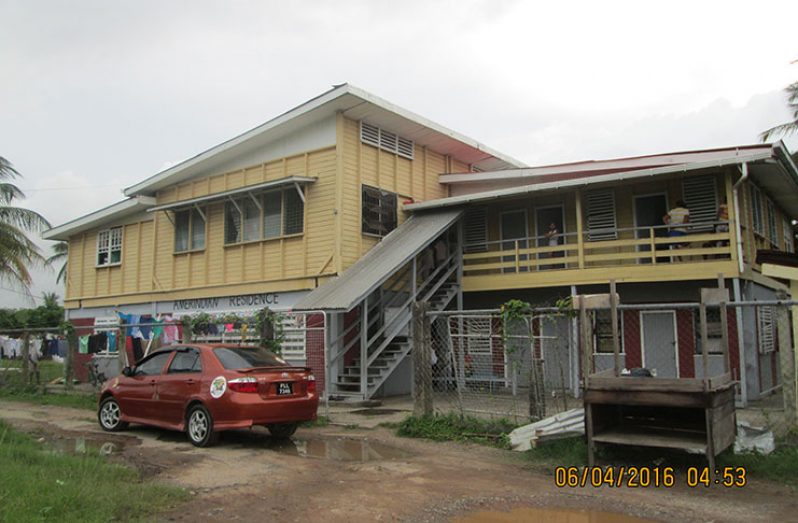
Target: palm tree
60,254
50,300
788,128
17,251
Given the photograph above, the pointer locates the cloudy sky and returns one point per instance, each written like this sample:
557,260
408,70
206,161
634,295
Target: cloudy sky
97,95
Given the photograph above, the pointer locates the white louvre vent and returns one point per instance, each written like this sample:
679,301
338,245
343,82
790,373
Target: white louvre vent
294,336
405,148
370,134
601,224
701,199
386,140
475,229
766,329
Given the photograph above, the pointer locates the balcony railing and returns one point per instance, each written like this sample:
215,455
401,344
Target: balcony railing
707,241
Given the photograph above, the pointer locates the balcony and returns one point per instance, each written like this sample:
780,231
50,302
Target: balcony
639,254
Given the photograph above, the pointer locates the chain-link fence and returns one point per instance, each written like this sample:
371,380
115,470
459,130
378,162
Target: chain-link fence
483,364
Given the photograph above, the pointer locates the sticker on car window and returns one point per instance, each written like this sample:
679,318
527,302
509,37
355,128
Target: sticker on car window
218,386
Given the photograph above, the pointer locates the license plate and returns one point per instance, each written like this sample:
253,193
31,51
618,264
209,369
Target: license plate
284,389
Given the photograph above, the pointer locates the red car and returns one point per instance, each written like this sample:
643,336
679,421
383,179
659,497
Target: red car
206,388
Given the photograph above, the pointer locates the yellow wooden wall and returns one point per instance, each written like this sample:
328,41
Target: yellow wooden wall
150,267
364,164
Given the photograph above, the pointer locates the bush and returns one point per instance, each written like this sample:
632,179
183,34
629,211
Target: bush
451,427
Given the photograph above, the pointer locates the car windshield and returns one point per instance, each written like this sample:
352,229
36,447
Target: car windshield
247,357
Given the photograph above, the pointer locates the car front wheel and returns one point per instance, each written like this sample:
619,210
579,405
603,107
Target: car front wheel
200,427
282,430
110,416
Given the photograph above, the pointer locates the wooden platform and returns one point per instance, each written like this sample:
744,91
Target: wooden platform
694,415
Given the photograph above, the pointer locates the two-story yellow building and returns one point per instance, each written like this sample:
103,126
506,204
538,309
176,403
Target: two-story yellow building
349,208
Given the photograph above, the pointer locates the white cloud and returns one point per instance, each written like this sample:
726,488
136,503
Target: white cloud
97,96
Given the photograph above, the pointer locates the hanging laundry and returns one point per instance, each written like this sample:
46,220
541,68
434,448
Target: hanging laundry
170,332
112,342
146,332
98,343
83,345
63,348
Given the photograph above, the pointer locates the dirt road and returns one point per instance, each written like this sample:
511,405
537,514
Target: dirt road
336,474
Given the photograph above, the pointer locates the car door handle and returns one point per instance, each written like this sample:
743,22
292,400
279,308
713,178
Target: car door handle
190,380
152,382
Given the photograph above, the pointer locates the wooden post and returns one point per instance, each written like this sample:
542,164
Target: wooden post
616,342
786,365
72,349
702,313
25,358
364,348
653,243
586,349
422,360
580,240
517,258
724,325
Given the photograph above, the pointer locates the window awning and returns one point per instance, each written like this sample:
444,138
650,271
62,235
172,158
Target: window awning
296,181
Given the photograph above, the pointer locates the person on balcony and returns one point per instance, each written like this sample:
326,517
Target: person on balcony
553,240
677,219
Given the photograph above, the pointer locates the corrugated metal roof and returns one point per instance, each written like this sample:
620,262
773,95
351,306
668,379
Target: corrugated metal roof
485,196
282,182
373,269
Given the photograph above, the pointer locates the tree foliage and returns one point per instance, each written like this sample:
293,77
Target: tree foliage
17,252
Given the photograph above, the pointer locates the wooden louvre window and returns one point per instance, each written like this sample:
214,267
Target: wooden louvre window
701,198
475,229
788,234
773,234
378,211
756,210
601,221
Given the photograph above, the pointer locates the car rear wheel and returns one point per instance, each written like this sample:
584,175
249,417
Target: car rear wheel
200,427
282,430
110,416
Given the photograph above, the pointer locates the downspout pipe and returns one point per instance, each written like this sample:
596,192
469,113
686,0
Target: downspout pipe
736,286
738,226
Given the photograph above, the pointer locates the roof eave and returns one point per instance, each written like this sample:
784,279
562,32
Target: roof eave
104,215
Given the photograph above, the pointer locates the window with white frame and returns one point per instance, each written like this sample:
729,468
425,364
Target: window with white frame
788,235
773,234
109,247
378,211
601,224
700,196
260,217
756,210
386,140
189,230
766,329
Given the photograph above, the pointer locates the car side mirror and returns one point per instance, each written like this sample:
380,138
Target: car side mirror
127,371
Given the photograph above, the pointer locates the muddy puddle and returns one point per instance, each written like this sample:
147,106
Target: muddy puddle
549,515
81,445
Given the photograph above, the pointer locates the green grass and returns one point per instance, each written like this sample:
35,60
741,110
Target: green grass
320,421
35,395
452,427
37,484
